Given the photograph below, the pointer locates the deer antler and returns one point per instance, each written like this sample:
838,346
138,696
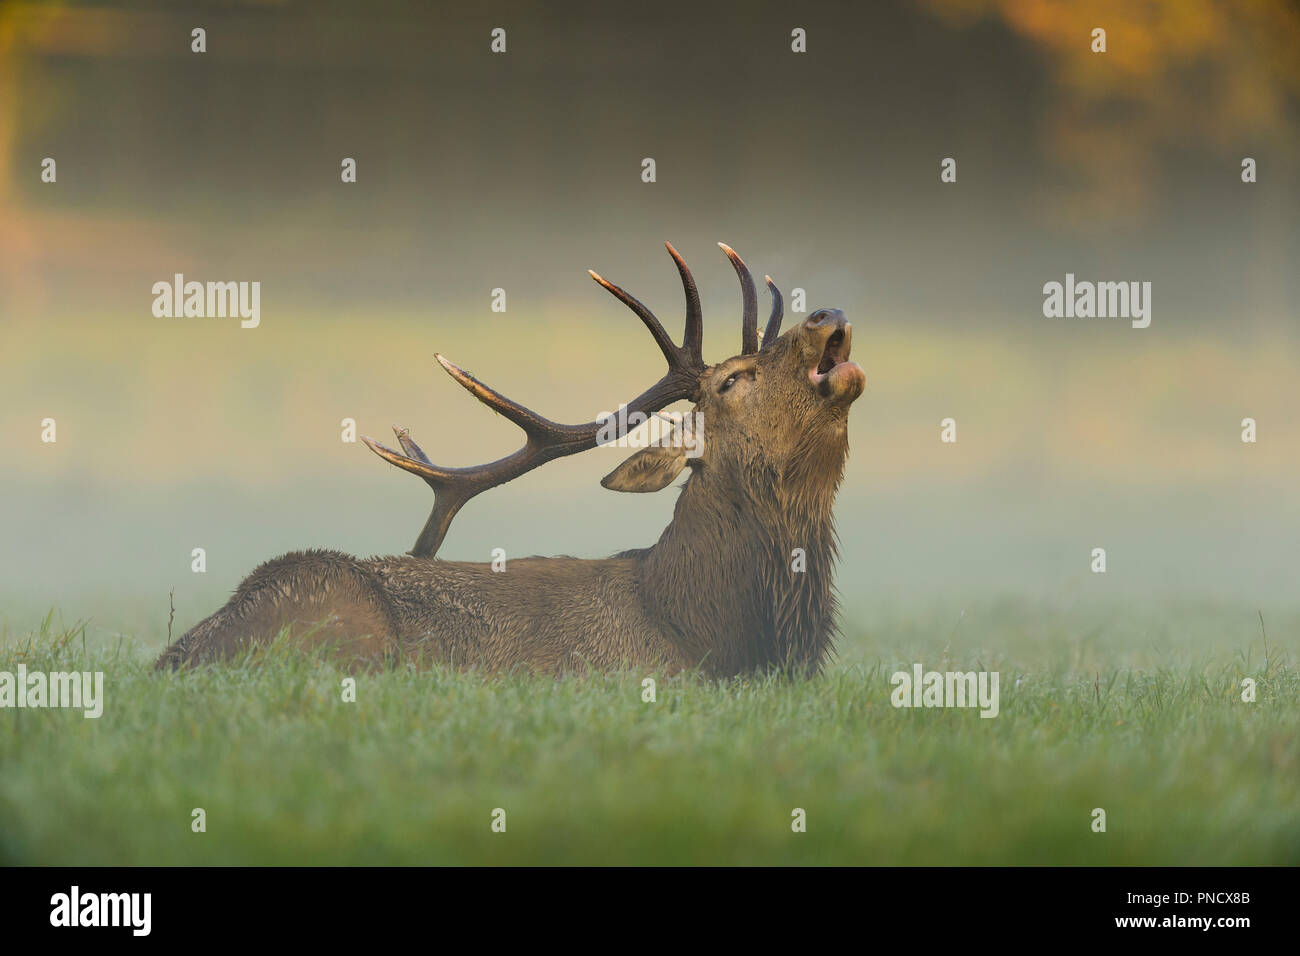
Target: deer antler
749,317
546,440
773,329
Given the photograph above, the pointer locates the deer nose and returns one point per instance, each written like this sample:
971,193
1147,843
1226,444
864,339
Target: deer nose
826,318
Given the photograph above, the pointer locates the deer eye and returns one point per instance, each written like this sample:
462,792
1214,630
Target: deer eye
732,379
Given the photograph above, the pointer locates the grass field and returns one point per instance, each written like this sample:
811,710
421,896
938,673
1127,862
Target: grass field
1136,713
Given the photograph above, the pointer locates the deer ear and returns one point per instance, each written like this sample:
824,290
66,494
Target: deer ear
648,470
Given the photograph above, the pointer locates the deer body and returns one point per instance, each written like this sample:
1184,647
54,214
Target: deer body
740,581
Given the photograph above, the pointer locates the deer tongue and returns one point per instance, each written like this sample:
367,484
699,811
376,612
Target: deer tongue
843,382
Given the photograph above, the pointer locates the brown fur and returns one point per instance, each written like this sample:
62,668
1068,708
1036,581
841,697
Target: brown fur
716,592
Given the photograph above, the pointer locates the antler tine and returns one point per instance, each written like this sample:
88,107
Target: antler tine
409,446
749,318
424,468
773,330
661,337
534,425
453,487
693,338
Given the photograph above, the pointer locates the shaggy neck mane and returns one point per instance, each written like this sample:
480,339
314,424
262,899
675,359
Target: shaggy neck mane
723,573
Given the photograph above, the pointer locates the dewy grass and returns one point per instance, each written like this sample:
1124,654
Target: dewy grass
1142,718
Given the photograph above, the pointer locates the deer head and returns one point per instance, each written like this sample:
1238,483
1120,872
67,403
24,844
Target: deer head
773,420
775,416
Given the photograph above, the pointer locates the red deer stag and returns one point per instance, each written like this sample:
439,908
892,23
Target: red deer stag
720,591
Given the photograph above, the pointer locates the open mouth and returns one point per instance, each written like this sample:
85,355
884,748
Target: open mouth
834,353
836,378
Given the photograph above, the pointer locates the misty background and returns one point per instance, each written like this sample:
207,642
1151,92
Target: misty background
522,170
